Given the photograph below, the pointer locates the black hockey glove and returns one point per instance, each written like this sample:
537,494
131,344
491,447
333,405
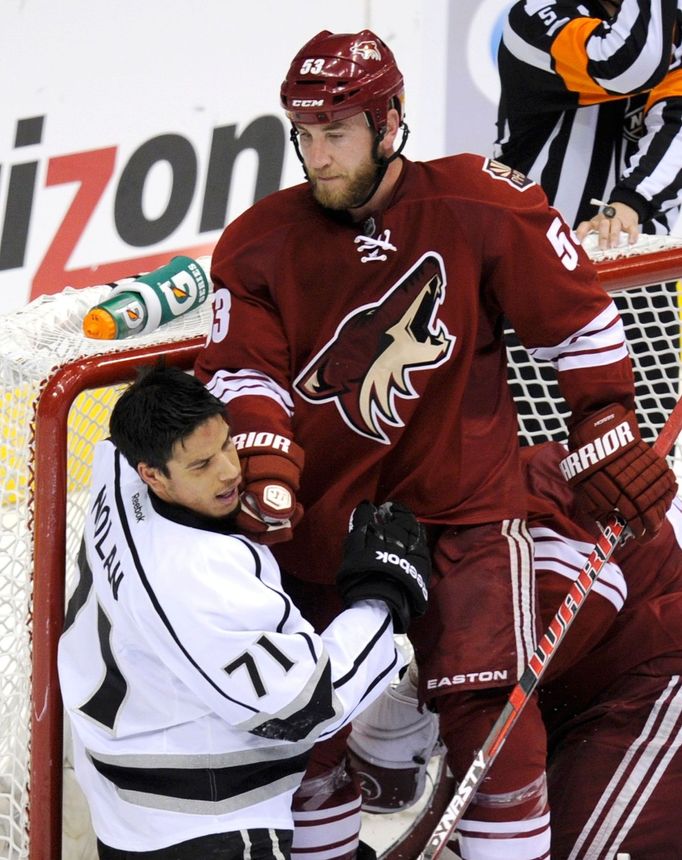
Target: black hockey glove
386,558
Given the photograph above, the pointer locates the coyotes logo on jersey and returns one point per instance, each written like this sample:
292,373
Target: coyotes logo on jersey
367,365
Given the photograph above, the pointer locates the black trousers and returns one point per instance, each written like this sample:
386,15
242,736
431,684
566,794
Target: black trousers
262,845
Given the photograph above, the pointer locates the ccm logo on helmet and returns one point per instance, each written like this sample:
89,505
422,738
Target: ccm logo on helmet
261,440
307,102
597,450
403,563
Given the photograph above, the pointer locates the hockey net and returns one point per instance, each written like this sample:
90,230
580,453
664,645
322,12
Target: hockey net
57,392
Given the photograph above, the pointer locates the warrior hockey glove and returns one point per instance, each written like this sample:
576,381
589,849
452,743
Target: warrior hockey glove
271,467
614,469
386,558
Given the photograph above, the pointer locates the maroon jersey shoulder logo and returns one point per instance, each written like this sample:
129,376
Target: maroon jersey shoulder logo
507,174
367,365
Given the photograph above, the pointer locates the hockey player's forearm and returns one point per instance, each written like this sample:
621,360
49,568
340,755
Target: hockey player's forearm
593,365
363,656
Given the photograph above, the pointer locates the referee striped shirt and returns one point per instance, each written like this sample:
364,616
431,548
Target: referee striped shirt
591,106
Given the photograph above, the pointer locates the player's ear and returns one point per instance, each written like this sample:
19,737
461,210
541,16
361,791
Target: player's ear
150,476
392,126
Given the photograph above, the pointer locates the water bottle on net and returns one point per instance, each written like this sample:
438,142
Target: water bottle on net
138,306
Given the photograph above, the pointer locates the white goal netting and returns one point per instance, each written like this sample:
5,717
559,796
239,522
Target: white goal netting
651,315
39,340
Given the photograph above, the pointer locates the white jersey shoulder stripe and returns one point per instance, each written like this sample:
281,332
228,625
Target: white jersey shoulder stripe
601,341
227,385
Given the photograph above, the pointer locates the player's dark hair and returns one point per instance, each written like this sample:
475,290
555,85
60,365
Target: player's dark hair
163,406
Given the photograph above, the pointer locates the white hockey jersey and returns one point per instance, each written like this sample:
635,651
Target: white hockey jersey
194,687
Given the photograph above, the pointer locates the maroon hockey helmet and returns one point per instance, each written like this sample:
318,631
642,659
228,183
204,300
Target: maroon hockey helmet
336,75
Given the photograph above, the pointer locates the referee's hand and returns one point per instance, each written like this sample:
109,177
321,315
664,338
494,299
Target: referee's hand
609,229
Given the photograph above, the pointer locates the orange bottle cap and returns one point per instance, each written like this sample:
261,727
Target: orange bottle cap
98,323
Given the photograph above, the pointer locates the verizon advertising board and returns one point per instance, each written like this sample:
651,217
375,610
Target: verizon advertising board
135,131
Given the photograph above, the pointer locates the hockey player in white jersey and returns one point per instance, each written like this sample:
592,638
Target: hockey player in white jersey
194,687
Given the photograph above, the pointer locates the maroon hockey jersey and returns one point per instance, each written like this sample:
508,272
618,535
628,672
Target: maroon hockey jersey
378,345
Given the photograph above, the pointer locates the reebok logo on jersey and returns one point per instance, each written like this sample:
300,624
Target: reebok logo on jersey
137,508
596,451
391,558
262,439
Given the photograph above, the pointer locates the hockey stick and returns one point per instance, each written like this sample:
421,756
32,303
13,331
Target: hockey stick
547,646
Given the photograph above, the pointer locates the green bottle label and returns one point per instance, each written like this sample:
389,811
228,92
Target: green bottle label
142,305
180,285
128,312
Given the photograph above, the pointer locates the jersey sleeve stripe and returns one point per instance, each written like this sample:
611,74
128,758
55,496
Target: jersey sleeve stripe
600,342
570,43
105,703
633,62
389,670
362,656
581,359
284,597
311,647
82,591
659,180
227,385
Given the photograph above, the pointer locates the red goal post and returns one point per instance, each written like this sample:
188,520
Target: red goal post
57,393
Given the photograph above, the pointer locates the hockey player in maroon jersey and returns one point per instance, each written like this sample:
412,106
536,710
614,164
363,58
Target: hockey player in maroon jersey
612,700
612,695
358,320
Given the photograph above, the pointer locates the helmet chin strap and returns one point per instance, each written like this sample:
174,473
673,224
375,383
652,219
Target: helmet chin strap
381,161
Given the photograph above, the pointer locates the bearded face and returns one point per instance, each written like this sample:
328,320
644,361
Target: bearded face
338,161
346,190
